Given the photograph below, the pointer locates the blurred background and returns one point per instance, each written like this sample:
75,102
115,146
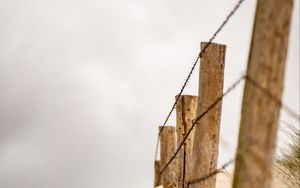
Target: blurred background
84,84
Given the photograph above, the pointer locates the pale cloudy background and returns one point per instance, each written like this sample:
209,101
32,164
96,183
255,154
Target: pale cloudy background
85,83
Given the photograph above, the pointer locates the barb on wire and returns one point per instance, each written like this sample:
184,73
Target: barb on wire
274,98
234,85
213,173
201,53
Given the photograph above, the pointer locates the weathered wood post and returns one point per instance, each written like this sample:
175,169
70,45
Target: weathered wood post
186,109
157,177
167,149
259,118
206,135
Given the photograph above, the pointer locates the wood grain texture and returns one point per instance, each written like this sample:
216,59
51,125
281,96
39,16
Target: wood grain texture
206,135
167,149
260,114
186,111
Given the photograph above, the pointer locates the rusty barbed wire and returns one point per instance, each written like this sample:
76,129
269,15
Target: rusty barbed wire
219,99
236,7
197,180
213,173
267,93
233,86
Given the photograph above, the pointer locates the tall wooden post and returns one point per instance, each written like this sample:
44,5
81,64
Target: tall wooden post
206,135
259,118
167,149
186,110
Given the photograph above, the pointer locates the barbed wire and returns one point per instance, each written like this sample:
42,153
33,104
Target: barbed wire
236,7
219,99
254,83
213,173
219,170
233,86
267,93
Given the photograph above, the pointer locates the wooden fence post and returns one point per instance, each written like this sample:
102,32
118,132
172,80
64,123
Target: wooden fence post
186,109
206,135
157,177
167,149
259,118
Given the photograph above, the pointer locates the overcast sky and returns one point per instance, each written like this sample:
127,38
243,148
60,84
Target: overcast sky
84,84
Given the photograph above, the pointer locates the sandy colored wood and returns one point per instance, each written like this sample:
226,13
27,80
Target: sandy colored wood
186,110
156,173
259,118
206,135
224,180
167,149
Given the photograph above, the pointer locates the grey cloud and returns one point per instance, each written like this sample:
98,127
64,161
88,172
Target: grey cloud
84,84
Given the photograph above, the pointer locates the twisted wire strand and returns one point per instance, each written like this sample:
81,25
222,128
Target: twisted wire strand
267,93
201,53
213,173
219,99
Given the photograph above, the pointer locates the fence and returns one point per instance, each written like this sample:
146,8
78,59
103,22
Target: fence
189,152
